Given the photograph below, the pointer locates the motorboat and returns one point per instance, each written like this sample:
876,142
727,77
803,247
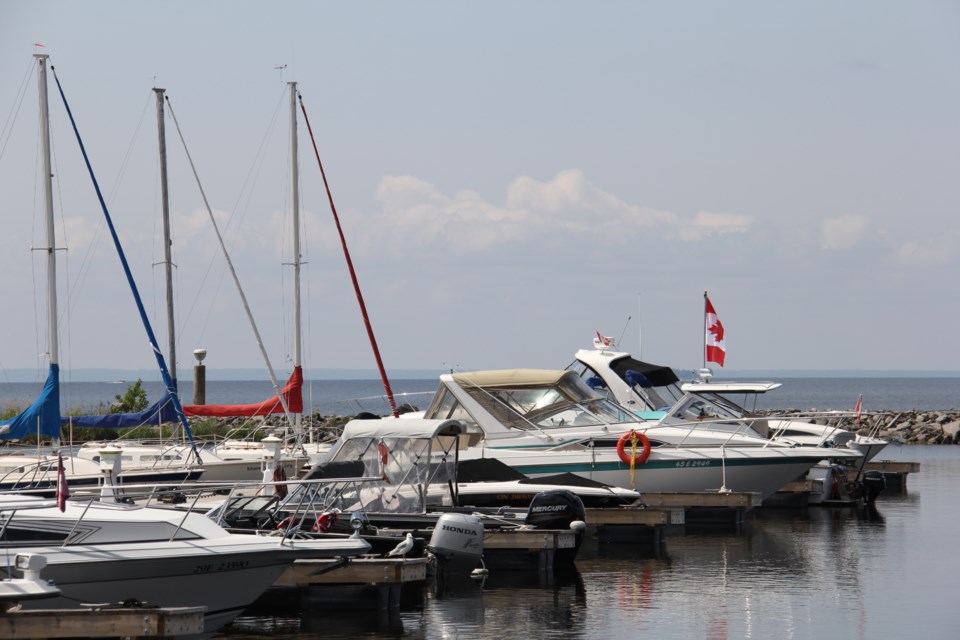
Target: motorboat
543,422
655,392
399,475
102,552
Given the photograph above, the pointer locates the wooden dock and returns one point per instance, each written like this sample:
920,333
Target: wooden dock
101,623
895,473
355,584
528,549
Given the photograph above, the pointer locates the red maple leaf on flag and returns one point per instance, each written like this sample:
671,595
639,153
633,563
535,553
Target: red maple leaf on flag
717,330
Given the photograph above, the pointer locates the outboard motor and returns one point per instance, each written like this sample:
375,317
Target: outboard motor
457,543
555,509
559,509
872,484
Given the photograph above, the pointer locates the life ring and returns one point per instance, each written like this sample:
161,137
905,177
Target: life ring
622,443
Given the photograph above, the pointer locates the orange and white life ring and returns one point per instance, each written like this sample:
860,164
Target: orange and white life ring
633,437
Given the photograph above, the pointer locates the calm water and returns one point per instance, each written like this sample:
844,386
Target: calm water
829,573
347,397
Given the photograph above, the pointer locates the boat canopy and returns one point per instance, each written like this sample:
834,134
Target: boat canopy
509,377
401,428
42,417
657,375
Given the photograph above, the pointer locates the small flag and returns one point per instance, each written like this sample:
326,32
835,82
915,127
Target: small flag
602,342
713,340
63,491
279,475
859,407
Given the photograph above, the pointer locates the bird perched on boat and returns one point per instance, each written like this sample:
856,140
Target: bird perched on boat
403,548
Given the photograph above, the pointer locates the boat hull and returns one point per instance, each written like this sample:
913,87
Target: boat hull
676,470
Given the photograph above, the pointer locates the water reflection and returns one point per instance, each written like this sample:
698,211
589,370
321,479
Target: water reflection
818,572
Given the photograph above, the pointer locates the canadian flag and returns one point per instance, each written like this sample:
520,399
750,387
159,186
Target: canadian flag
714,343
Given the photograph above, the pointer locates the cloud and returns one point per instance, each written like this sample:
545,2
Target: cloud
842,233
706,224
929,254
415,213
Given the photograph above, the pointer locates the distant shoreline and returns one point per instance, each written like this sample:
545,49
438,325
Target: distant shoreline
237,375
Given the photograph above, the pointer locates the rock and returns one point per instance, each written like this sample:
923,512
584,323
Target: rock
950,430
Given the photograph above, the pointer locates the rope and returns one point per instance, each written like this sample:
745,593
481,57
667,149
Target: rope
353,274
126,268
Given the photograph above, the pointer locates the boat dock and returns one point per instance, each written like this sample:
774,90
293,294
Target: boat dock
358,583
95,622
895,473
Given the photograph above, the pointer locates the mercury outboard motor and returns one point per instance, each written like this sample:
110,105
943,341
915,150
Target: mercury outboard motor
873,483
555,509
559,509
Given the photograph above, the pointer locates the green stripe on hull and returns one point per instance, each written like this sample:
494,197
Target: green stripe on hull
672,464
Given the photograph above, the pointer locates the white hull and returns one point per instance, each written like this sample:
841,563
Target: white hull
675,470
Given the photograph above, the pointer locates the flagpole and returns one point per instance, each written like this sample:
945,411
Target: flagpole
704,329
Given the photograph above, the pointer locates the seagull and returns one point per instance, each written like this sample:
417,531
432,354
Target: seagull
403,548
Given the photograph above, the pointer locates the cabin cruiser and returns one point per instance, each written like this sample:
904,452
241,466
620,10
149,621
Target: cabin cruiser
400,475
104,552
542,422
655,392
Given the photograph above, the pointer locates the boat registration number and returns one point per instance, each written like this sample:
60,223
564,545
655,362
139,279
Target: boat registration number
693,463
230,565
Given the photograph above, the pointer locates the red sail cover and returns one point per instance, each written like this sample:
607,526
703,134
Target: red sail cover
292,393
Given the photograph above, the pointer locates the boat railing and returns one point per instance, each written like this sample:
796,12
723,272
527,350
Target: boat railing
188,499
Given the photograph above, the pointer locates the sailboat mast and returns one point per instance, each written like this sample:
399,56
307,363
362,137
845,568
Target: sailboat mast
295,203
167,242
53,342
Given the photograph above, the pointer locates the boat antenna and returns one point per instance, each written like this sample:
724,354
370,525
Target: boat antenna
280,68
624,331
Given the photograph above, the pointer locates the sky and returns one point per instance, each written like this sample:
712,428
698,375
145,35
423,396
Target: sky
511,179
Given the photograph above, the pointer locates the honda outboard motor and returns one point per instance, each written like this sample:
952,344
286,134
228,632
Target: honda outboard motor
873,483
556,509
457,543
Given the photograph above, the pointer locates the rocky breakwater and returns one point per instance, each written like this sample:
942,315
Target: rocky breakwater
919,427
905,427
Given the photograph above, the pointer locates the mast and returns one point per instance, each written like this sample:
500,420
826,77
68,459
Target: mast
295,203
51,249
167,242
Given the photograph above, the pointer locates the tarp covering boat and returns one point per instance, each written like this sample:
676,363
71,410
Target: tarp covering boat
43,416
163,411
292,392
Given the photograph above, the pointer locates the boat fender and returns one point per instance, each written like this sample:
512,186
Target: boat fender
633,437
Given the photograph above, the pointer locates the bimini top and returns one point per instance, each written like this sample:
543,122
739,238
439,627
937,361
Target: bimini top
729,387
510,378
401,428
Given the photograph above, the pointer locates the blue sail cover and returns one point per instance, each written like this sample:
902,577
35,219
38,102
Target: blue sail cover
42,417
161,411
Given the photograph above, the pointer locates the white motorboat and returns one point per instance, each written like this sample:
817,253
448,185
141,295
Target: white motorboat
655,392
100,552
543,422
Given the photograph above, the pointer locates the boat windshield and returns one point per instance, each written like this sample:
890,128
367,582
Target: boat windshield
568,402
715,411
